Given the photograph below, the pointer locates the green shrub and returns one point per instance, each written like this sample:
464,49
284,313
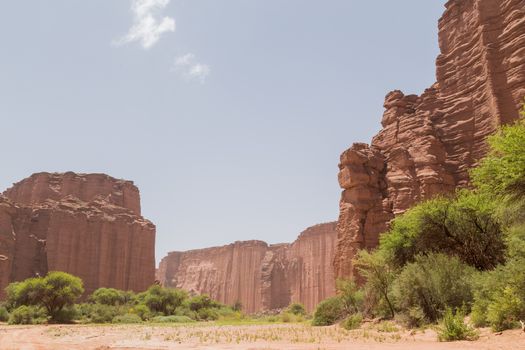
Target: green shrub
352,322
111,296
163,300
379,275
172,319
142,311
414,317
432,283
127,318
202,302
28,315
4,314
351,295
207,314
237,306
506,309
453,328
54,292
328,312
296,309
100,313
464,226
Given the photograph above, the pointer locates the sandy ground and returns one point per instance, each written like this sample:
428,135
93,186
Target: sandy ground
252,337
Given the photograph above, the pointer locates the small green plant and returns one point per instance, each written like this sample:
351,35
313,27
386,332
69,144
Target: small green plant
296,309
28,315
453,327
352,322
127,319
4,314
328,312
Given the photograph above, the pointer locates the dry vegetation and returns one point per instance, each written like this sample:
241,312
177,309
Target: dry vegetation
385,335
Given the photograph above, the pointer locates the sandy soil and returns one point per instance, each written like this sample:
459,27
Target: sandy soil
267,337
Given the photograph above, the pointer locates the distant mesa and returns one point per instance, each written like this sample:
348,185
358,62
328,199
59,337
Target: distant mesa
261,276
85,224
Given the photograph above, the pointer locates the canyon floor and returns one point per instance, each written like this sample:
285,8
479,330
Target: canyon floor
245,337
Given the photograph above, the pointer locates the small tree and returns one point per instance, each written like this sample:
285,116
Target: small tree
54,292
350,294
163,300
379,276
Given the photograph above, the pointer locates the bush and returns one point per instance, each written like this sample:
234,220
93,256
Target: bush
296,309
352,322
127,318
142,311
207,314
172,319
351,296
379,275
53,292
202,302
4,314
464,226
505,310
100,313
414,317
453,328
328,312
111,296
432,283
28,315
163,300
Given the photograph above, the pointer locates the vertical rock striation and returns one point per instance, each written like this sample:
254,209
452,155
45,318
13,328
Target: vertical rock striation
260,276
428,143
88,225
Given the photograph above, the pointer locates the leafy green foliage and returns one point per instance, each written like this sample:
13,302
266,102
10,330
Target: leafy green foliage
453,327
351,295
99,313
53,292
328,312
164,300
352,322
503,170
111,296
28,315
379,276
463,226
432,283
4,314
296,309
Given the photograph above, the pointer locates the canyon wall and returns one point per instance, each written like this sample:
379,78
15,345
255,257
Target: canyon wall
260,276
429,142
88,225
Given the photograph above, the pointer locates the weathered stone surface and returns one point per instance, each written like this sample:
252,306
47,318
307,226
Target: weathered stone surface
261,276
41,187
428,143
105,244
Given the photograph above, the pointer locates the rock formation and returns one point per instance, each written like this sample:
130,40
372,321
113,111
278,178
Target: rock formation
428,143
88,225
260,276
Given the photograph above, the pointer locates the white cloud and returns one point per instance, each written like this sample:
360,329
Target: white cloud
148,27
189,69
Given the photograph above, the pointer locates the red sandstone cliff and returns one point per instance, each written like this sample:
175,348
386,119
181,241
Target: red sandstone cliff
429,142
85,224
261,276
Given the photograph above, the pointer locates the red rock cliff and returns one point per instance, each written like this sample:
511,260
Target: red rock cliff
88,225
261,276
428,143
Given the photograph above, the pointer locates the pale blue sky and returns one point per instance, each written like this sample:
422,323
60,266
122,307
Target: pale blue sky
241,138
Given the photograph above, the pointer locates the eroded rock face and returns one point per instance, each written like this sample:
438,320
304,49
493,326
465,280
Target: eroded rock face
99,237
260,276
428,143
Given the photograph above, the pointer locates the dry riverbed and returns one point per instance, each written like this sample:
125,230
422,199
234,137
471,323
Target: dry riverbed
240,337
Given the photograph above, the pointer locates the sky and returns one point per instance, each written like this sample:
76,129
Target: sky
229,115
